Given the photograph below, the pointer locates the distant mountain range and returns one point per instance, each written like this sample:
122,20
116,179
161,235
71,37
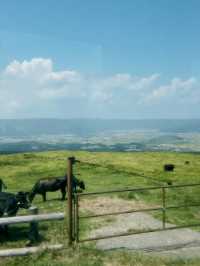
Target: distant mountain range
88,127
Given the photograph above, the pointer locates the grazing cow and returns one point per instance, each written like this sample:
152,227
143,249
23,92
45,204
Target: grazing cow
2,185
10,204
169,167
169,183
53,184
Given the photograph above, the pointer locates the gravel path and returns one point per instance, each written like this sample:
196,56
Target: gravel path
180,242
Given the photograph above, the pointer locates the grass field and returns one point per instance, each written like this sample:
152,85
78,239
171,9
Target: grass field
100,171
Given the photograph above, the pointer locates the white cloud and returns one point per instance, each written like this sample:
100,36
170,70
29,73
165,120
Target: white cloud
31,69
33,88
179,90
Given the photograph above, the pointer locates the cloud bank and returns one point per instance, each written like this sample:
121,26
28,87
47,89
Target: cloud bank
34,89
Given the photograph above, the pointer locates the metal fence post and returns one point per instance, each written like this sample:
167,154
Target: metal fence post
164,207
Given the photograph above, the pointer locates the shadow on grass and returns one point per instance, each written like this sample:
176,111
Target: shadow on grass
51,199
19,233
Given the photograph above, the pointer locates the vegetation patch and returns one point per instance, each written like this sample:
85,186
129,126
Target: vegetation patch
100,171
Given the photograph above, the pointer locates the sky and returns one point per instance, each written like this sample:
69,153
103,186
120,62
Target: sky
130,59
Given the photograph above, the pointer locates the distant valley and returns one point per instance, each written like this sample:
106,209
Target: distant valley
99,135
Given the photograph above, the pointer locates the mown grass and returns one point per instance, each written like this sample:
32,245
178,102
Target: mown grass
100,171
91,257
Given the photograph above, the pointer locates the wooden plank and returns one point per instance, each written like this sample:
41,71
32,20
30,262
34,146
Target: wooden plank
28,250
32,218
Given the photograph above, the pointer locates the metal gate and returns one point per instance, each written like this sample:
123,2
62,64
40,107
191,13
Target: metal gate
77,217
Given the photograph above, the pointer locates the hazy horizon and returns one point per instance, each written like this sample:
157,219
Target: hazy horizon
97,118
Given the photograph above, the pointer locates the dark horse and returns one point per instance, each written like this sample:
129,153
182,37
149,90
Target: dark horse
53,184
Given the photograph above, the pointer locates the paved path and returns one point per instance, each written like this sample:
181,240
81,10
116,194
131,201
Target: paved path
179,242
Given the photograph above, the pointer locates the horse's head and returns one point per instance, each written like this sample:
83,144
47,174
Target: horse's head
23,199
81,184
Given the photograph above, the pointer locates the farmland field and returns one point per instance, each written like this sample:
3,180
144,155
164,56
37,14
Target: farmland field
100,171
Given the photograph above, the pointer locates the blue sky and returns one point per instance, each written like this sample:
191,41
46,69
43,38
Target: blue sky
110,59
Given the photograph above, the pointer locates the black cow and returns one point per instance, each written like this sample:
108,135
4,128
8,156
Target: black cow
169,167
10,203
2,185
53,184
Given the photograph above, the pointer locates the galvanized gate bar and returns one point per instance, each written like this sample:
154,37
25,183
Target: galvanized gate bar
137,189
139,210
123,212
139,232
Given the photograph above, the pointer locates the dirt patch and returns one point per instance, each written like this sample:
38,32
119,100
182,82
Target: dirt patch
102,205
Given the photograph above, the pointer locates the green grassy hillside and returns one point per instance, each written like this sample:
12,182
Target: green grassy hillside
100,171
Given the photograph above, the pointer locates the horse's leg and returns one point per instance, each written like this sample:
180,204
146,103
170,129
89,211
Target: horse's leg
31,196
6,230
44,196
63,191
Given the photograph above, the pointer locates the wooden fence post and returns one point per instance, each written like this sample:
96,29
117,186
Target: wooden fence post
33,232
71,161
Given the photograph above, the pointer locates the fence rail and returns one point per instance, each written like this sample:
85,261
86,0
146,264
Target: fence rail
33,231
137,189
32,218
28,250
